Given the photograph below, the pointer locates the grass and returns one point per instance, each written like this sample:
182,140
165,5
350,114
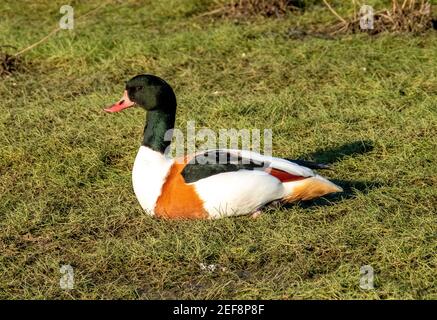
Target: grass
367,104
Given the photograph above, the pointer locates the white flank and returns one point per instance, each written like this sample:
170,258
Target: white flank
237,193
148,175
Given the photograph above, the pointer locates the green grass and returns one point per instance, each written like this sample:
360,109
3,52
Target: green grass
369,103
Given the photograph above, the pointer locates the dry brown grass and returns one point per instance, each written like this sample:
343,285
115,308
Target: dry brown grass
407,16
9,63
247,8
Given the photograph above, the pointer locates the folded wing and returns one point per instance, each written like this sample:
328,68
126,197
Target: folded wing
217,161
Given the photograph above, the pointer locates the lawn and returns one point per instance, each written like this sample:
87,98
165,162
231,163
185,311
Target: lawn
365,104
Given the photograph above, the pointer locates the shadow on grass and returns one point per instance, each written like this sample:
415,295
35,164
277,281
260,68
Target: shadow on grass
336,154
350,188
322,159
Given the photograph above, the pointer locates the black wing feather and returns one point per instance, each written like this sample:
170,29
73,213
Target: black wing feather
214,162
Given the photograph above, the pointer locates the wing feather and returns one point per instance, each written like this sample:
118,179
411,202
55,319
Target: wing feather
215,161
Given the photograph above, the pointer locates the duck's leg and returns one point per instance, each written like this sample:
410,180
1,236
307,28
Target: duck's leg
256,214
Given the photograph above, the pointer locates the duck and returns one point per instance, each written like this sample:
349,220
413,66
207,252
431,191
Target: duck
243,182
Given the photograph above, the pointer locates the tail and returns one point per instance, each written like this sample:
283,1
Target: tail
309,188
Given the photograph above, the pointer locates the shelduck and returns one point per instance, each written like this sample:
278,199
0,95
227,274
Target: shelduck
242,184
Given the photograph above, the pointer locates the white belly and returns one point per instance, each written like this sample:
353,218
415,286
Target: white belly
148,175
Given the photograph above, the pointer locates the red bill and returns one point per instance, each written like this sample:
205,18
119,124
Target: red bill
124,103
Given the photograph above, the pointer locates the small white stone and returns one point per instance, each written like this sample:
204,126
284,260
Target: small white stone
211,267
